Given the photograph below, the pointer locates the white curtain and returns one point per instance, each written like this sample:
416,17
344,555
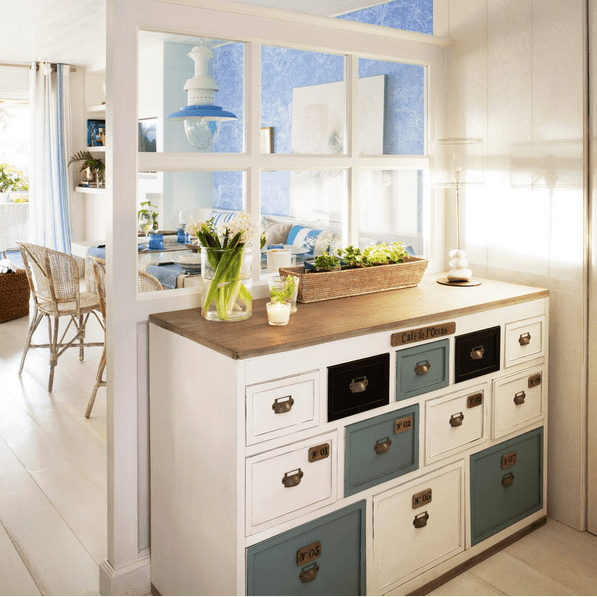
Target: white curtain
49,194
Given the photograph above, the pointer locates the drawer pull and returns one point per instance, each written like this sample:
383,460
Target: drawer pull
524,339
477,353
359,384
309,573
519,398
456,420
292,479
508,480
420,520
283,405
382,446
422,367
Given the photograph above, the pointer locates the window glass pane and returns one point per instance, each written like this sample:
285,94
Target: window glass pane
391,207
177,198
392,108
303,99
166,66
303,209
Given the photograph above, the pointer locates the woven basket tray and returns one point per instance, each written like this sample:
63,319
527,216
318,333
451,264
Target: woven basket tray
14,295
322,286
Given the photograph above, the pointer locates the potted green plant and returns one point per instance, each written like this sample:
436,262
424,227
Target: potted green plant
94,168
11,180
147,216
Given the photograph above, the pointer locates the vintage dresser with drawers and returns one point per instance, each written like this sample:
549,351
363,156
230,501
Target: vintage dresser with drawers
375,445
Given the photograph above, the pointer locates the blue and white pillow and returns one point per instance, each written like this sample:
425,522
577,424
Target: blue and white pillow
301,236
222,217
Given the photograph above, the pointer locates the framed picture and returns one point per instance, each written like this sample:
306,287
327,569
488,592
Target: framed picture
147,134
96,133
267,139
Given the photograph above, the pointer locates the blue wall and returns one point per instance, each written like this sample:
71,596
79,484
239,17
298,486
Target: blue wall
283,69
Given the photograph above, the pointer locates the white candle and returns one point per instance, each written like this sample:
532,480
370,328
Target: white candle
277,258
278,313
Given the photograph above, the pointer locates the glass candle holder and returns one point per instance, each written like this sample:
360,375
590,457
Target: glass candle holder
278,313
283,289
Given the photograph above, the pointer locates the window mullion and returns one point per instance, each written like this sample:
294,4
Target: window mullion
350,224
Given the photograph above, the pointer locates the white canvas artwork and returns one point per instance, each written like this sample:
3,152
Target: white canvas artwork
318,127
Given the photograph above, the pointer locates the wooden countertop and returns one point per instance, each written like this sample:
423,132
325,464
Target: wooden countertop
337,319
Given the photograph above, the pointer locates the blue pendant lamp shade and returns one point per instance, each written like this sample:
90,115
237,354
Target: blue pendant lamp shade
201,117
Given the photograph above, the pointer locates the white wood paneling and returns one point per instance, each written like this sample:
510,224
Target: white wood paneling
527,223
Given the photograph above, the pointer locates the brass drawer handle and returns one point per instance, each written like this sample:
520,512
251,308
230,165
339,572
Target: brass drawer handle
309,573
382,446
519,398
477,353
456,420
508,480
524,339
359,384
292,479
422,367
283,405
420,520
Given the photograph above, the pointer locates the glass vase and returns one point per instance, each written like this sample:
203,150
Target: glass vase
227,279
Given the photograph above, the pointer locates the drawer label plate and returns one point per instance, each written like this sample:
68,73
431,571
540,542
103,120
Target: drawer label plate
404,424
534,380
509,460
422,498
429,332
308,554
319,452
474,400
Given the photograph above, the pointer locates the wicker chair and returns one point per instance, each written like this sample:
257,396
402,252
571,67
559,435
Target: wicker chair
54,283
145,283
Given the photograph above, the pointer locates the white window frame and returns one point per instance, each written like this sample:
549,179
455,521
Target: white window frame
126,569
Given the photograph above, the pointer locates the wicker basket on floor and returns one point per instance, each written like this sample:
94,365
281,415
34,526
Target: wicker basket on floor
14,295
322,286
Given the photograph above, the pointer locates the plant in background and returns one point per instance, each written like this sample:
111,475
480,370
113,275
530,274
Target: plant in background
148,211
224,247
327,262
384,254
12,179
94,167
285,293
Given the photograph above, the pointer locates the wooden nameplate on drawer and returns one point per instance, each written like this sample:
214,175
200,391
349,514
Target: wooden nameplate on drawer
444,578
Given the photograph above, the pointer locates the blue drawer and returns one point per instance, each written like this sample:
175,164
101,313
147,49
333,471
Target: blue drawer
323,557
422,369
506,484
381,448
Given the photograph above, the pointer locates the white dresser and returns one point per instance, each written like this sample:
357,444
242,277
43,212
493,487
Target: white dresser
373,446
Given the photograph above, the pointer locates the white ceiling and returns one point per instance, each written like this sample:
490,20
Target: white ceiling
73,31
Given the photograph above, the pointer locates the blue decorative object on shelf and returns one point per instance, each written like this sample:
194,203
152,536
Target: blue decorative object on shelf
156,241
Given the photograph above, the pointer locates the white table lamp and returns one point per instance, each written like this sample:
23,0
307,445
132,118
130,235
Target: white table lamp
455,164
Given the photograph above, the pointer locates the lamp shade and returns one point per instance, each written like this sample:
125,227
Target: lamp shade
214,113
457,161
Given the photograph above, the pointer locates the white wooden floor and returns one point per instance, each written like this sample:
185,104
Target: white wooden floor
53,493
52,470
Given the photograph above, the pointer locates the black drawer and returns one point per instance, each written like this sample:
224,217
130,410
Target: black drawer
477,353
358,386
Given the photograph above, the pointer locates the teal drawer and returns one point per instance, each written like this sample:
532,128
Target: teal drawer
506,484
381,448
422,369
323,557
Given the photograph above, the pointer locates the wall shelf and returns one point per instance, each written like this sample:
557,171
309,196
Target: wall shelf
98,108
97,149
90,190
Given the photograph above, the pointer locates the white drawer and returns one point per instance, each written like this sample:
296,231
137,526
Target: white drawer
417,526
282,406
518,401
455,422
291,480
524,340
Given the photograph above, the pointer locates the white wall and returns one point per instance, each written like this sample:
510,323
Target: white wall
517,81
